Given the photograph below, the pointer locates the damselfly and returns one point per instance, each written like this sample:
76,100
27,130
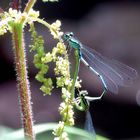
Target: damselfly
111,72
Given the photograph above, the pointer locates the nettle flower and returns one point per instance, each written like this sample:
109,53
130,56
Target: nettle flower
60,133
4,25
61,66
55,29
13,17
16,15
32,16
78,83
66,107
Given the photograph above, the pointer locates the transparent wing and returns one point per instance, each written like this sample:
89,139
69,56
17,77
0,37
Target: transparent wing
113,72
89,124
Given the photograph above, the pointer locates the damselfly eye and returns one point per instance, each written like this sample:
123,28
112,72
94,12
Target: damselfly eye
71,34
67,35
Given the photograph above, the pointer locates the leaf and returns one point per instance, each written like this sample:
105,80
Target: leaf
43,131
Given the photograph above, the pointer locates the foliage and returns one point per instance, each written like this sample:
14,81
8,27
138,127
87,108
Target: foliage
43,131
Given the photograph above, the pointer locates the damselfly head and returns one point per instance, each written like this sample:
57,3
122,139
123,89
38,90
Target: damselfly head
67,36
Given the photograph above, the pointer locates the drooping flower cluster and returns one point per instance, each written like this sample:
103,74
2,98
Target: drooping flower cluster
60,133
59,56
55,30
63,80
38,47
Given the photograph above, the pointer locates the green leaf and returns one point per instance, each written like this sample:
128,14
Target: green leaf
43,131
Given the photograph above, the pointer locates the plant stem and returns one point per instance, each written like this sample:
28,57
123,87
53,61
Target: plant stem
43,22
23,83
29,5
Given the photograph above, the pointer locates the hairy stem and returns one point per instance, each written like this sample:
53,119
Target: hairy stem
29,5
23,83
43,22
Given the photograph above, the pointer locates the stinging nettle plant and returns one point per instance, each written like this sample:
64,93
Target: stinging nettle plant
15,21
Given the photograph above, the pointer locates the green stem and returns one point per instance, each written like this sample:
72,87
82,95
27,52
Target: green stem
75,73
29,5
43,22
23,83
